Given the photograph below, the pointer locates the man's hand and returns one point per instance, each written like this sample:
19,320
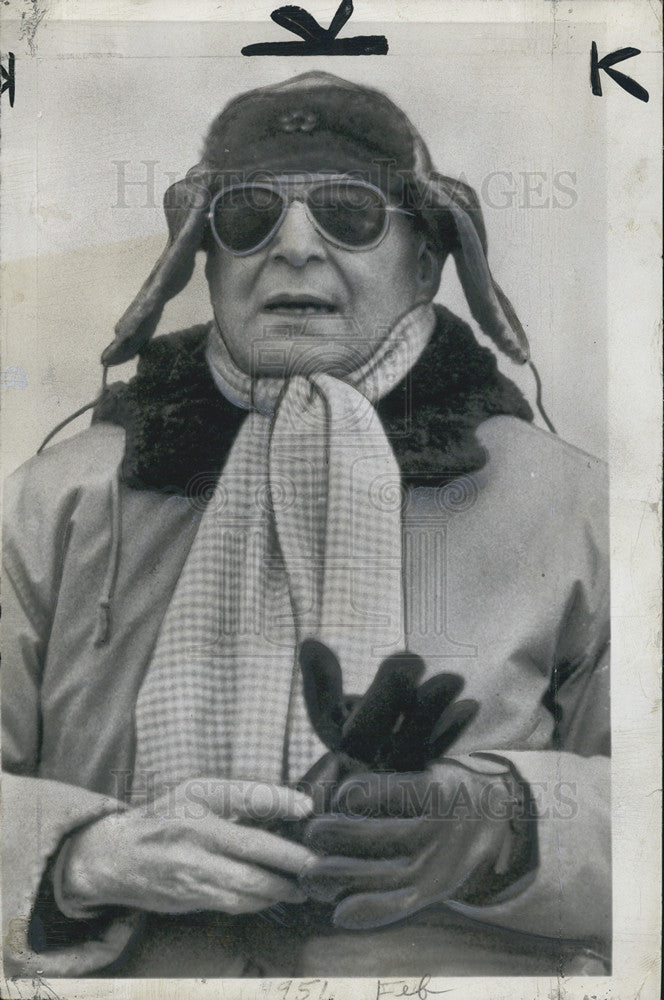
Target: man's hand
187,851
399,842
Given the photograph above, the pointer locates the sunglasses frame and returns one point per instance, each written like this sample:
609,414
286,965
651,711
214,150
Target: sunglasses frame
279,186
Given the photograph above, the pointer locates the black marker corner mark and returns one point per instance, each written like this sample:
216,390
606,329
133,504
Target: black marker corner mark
317,41
606,63
8,77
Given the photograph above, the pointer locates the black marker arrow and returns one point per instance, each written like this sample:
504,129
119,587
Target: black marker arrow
300,22
317,41
626,82
344,10
8,79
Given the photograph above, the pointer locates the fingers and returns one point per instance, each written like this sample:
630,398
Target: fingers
391,692
376,909
436,693
178,864
329,879
254,845
322,686
238,902
451,724
384,794
249,888
322,780
259,801
412,739
234,800
367,838
446,790
380,891
208,882
326,769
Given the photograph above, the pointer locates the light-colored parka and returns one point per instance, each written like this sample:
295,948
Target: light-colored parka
507,585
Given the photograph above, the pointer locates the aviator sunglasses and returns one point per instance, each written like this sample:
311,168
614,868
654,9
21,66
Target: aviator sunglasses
350,214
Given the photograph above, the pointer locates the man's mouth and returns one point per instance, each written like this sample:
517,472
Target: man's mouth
299,305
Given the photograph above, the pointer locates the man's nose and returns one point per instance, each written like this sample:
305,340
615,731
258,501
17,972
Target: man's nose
297,241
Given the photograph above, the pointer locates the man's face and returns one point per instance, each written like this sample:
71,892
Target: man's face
301,304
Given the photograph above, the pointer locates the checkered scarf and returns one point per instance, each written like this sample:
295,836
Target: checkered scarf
300,537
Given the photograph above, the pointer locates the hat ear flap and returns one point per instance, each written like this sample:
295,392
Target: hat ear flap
489,305
185,204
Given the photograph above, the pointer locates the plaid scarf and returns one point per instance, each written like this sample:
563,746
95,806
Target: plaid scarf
300,537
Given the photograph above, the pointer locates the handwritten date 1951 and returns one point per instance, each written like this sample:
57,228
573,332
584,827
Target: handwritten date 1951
322,989
304,989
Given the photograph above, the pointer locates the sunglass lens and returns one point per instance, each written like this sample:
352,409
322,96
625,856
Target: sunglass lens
352,214
245,216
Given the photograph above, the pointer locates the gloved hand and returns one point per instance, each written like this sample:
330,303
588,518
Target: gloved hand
397,843
395,726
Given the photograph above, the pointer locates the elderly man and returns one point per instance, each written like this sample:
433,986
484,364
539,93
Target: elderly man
328,492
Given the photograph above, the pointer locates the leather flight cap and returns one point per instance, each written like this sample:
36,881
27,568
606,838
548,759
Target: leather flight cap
317,122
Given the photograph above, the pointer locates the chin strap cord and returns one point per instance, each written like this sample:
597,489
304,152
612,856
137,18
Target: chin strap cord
538,398
77,413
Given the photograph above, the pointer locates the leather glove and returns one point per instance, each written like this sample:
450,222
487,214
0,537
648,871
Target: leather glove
398,843
395,726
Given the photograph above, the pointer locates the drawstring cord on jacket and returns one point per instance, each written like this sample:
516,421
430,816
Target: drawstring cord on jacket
103,629
538,398
77,413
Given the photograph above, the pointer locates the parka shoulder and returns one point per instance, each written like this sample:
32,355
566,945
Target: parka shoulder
42,498
90,457
540,477
519,449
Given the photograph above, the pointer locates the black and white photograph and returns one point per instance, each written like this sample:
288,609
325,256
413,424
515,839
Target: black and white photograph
331,409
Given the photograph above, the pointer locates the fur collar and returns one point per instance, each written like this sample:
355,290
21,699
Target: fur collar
178,425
